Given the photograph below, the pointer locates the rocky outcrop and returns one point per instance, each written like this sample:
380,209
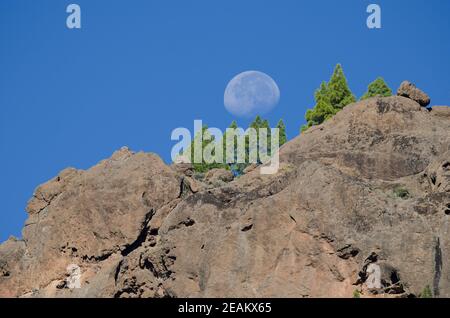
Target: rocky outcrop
363,194
86,217
409,90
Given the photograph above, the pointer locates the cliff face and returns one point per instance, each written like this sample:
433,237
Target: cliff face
370,186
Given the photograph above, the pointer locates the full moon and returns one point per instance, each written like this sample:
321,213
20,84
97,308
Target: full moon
251,93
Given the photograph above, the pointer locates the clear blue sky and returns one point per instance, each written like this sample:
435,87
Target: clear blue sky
138,69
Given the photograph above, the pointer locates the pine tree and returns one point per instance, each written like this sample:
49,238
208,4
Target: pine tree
323,109
322,93
207,138
330,98
265,124
339,93
282,132
377,88
256,123
233,125
199,166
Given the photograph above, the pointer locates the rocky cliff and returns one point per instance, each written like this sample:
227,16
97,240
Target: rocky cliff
370,186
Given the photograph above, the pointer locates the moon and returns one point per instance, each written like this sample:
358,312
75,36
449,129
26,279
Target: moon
251,93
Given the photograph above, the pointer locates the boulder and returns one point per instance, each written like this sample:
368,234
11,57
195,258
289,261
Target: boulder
409,90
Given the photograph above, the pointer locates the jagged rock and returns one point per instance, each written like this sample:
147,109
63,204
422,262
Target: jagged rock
438,174
137,228
194,185
409,90
184,168
86,216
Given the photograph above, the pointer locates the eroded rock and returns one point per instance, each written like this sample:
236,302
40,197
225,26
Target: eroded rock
409,90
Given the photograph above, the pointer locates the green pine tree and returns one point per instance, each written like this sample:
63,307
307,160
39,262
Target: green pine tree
377,88
265,124
256,123
207,139
236,167
233,125
339,93
282,132
330,98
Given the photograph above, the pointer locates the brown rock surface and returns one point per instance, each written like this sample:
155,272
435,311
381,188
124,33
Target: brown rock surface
443,111
217,175
137,228
84,217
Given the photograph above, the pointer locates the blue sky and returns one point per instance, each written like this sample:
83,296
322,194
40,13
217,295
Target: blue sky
138,69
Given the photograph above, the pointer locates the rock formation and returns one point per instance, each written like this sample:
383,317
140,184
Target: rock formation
408,89
370,186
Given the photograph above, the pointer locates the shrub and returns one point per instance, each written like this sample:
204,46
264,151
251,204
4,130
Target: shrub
426,292
401,192
377,88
